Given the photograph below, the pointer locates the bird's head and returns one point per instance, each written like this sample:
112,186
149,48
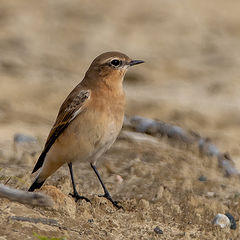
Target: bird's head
110,67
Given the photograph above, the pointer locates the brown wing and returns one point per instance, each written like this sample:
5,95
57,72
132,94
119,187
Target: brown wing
69,110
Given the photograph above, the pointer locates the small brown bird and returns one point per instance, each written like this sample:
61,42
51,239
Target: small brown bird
88,121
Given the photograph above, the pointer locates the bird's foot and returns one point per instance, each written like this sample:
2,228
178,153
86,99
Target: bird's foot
78,197
108,197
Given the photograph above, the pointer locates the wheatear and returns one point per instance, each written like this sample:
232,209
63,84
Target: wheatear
88,121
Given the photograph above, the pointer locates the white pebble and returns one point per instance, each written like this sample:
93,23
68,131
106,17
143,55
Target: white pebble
119,178
221,220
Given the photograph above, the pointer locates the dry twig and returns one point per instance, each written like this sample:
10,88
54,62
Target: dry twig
35,199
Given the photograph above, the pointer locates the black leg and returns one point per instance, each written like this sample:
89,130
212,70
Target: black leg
106,193
75,193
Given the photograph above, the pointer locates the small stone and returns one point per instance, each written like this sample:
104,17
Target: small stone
232,221
18,137
157,230
119,179
202,178
211,194
221,220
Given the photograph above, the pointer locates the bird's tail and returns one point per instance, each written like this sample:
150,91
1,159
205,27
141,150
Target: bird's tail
36,185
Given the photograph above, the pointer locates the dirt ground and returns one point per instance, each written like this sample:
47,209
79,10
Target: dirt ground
191,78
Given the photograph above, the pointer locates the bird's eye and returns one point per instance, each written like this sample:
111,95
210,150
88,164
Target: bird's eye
116,62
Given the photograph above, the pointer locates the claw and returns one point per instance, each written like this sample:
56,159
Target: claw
108,197
78,197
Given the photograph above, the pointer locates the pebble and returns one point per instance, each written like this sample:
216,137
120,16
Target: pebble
158,230
119,179
19,137
221,220
232,221
202,178
211,194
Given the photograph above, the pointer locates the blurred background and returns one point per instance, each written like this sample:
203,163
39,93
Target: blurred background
191,78
191,49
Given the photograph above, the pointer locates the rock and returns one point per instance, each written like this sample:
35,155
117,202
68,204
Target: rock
158,230
119,179
232,221
202,179
221,220
211,194
21,138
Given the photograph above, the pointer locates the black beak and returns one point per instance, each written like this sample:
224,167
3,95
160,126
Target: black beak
135,62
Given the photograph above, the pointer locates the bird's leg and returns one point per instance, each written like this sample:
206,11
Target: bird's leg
106,193
75,193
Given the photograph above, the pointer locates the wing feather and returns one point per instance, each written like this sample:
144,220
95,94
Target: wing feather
71,108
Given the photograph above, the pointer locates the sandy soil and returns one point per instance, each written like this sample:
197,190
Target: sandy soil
190,78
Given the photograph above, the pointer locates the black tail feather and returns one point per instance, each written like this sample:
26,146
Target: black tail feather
49,144
39,162
36,185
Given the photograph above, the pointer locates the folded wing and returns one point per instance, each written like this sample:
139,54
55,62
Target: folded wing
70,109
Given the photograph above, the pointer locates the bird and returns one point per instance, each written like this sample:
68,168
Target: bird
88,121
